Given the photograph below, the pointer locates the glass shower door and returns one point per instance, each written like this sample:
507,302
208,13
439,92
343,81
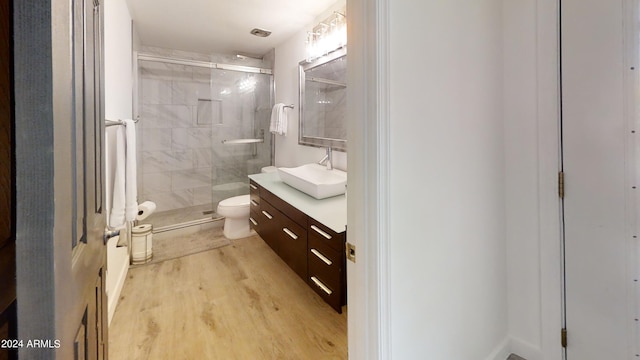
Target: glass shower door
240,112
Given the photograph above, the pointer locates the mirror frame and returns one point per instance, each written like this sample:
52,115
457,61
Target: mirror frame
304,65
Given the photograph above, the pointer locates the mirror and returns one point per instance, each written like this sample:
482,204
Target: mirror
323,101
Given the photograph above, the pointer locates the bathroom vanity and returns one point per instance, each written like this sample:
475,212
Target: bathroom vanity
308,234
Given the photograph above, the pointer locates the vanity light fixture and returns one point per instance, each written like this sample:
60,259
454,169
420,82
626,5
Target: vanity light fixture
329,35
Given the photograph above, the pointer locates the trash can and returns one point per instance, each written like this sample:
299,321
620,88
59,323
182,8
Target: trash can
141,244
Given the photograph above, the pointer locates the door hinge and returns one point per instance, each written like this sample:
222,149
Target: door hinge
563,337
561,184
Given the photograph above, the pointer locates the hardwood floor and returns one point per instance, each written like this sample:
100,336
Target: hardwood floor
235,302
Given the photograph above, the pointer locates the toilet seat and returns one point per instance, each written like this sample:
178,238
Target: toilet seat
236,201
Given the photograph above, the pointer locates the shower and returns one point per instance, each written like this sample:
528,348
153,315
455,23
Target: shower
204,126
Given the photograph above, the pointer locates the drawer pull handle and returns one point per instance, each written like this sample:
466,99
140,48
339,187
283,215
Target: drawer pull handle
254,203
290,233
253,187
321,257
321,285
253,221
267,215
319,231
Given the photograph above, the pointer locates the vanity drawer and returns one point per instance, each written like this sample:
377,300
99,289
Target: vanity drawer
331,296
255,221
326,235
287,209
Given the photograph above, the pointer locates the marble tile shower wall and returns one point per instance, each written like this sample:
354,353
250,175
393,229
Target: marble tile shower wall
180,133
175,150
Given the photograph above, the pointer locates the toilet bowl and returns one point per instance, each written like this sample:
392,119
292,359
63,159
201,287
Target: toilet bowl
236,213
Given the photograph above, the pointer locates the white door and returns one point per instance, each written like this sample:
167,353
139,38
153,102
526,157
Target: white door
86,305
596,134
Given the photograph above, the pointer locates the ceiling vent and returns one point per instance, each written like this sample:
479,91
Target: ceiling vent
260,32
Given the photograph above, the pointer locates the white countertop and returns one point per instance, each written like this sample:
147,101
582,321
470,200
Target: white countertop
331,212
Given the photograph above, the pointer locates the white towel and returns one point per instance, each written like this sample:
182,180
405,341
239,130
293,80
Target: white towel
131,185
278,120
116,217
125,204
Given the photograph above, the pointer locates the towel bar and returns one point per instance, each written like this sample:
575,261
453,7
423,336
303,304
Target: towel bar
242,141
118,122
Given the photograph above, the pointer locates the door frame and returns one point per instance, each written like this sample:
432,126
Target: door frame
36,206
368,195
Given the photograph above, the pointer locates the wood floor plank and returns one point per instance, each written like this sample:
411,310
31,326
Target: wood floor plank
237,302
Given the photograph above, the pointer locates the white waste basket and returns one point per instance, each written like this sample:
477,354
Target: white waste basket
141,244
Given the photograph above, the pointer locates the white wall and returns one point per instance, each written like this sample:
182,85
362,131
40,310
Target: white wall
118,105
448,281
288,54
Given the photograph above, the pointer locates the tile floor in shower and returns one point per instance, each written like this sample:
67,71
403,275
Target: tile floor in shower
181,216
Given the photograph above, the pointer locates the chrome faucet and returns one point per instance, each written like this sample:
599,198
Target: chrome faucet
327,159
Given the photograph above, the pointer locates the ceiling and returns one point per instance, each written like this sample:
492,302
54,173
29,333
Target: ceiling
222,26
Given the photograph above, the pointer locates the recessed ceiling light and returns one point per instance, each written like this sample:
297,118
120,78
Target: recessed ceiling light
260,32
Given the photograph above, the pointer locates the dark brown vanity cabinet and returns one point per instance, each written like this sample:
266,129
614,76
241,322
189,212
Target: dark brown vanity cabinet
312,250
281,227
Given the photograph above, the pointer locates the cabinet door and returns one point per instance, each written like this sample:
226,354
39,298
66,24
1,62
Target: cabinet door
293,246
267,219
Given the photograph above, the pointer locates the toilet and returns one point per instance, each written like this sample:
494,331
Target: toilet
236,214
236,217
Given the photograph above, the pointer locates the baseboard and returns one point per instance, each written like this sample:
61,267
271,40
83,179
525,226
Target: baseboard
525,350
501,352
118,266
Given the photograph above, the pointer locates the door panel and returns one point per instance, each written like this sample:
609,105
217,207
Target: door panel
594,141
88,260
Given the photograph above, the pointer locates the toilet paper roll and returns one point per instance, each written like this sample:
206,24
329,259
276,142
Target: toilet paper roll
145,209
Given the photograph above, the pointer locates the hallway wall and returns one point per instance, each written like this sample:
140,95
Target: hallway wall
118,105
448,280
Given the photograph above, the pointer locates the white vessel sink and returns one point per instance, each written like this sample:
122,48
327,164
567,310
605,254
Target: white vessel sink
315,180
